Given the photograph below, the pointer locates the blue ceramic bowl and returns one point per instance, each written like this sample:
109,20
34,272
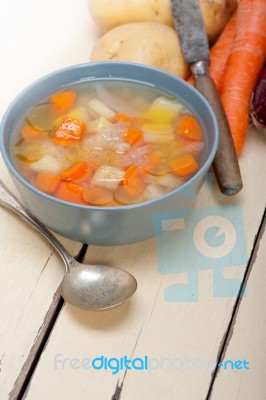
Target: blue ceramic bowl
108,225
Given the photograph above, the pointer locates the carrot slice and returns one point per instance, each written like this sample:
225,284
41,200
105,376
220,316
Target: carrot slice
127,194
123,117
132,135
129,173
97,196
68,132
188,127
76,171
28,133
71,192
85,179
46,182
184,165
155,165
64,100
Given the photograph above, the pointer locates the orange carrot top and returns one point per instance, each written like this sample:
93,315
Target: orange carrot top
244,63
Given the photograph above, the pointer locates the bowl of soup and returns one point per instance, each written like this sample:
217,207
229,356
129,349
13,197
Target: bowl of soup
98,150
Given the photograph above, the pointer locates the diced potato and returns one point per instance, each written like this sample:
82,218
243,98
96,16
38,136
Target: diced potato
48,164
98,124
165,102
163,110
80,113
155,138
158,129
108,176
153,191
169,181
101,109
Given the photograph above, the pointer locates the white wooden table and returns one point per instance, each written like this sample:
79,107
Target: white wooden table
184,332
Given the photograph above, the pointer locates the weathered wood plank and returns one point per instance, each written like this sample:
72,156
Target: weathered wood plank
246,340
181,338
35,39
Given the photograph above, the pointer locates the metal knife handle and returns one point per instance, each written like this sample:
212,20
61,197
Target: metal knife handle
225,164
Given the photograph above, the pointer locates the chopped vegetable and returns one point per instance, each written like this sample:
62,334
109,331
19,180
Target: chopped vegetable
69,132
129,174
190,146
156,166
116,103
70,192
29,151
85,180
162,110
188,127
243,65
47,183
155,138
132,135
184,166
123,117
153,191
48,164
129,191
158,133
29,133
97,196
108,177
131,187
258,103
99,124
101,109
75,172
64,100
169,181
158,128
41,118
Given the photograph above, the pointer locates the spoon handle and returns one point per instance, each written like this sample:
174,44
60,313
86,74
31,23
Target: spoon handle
9,201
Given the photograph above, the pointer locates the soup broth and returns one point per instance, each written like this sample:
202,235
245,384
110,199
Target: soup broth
108,144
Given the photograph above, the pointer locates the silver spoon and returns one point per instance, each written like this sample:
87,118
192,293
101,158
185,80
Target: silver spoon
90,287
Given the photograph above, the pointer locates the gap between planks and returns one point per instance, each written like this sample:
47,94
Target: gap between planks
21,384
230,329
22,381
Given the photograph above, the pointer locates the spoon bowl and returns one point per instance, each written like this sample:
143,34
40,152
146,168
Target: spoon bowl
90,287
97,287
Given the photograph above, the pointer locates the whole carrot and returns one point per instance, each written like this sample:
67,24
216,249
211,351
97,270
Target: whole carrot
243,65
220,52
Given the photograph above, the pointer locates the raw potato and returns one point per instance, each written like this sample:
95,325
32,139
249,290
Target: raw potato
215,15
149,43
108,14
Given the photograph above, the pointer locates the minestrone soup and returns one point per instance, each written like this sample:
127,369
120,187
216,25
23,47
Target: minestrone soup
108,144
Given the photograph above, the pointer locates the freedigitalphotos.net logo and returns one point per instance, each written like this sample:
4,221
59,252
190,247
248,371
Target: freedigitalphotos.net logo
145,363
210,237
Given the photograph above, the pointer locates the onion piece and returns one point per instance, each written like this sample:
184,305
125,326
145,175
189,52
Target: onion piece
101,109
153,191
47,164
113,102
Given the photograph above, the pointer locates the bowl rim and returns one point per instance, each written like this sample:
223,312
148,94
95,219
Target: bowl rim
122,64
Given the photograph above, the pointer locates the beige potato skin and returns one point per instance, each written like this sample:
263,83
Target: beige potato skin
108,14
149,43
